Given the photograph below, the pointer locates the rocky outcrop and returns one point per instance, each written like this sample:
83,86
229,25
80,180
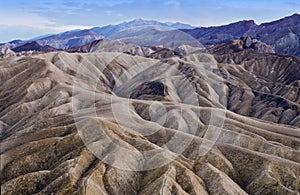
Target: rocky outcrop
255,44
6,52
243,44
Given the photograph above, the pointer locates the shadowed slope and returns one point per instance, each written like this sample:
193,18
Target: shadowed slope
60,111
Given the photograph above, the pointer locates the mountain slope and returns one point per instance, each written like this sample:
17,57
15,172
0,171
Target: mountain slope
110,30
264,86
76,38
34,46
70,39
221,34
283,34
112,123
65,40
154,37
6,52
12,44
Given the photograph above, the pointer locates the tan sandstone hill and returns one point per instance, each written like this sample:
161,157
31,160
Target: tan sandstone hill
114,123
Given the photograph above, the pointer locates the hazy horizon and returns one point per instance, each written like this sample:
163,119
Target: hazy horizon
28,19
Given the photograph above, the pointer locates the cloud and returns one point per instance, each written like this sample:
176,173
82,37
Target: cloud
22,18
33,20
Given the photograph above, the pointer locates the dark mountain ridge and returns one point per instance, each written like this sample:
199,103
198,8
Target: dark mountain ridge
34,46
282,35
209,36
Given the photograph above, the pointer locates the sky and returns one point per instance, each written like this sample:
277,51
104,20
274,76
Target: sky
25,19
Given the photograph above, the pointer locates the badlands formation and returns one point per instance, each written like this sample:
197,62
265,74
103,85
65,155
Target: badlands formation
224,121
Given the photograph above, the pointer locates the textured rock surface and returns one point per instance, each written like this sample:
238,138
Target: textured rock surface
45,100
283,35
34,46
221,34
264,86
6,52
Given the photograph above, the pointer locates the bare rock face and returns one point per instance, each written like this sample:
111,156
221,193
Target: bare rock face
154,88
258,46
243,43
221,34
264,86
6,52
113,123
283,35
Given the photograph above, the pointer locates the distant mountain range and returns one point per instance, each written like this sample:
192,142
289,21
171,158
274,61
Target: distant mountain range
282,35
76,38
110,30
209,36
34,46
